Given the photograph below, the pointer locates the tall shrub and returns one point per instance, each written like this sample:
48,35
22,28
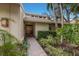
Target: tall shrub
70,33
44,34
10,45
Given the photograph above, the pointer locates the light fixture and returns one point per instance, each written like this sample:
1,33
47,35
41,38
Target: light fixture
4,22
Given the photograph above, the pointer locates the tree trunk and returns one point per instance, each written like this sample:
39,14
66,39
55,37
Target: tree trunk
62,21
54,16
56,24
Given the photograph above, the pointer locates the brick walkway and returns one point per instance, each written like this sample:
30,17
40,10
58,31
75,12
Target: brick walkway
34,48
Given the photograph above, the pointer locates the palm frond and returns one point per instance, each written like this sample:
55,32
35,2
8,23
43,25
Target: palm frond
49,6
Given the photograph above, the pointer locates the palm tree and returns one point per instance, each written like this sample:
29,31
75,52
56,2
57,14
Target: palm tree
67,11
51,9
70,9
54,7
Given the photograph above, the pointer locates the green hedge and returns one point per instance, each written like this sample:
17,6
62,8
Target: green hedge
44,34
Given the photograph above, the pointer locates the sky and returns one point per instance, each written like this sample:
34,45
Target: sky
36,8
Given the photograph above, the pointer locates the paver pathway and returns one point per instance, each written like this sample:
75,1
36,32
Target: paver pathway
34,48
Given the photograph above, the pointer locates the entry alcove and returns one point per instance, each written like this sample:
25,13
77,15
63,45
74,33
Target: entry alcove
29,29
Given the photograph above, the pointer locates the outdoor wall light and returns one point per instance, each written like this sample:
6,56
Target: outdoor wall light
4,22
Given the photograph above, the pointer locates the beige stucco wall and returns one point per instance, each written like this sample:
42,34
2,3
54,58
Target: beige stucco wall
4,12
14,12
21,24
41,27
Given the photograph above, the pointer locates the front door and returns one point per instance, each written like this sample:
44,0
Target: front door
29,30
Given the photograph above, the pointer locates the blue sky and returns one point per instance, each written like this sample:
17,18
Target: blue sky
37,8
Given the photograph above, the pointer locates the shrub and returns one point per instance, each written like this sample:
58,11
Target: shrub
44,42
10,50
49,41
44,34
10,46
53,51
6,37
56,51
25,45
70,33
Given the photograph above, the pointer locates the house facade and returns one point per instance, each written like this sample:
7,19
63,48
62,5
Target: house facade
34,23
24,23
13,12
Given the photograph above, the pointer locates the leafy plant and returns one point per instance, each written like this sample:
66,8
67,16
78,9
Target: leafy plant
56,51
10,45
44,42
70,33
44,34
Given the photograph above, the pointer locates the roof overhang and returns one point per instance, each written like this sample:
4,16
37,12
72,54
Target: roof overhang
29,19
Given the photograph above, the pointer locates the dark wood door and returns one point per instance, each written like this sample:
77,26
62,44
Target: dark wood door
29,30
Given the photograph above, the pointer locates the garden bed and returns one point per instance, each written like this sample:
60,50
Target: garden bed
52,44
53,49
